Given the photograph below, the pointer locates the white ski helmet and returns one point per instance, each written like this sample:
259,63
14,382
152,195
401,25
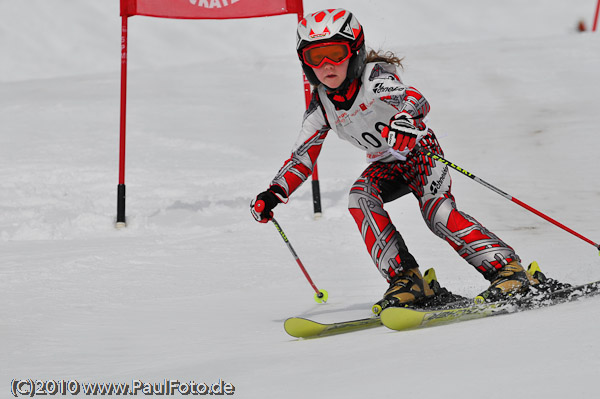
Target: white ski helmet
332,25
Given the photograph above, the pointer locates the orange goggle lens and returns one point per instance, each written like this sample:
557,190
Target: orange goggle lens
336,53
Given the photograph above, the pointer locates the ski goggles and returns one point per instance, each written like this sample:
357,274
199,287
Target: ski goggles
335,53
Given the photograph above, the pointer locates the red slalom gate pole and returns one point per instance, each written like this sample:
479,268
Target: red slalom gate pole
320,295
596,17
505,195
121,221
316,188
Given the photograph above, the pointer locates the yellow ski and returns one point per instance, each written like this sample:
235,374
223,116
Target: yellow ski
303,328
407,318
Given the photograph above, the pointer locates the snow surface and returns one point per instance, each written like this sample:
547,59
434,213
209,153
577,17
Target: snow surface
194,289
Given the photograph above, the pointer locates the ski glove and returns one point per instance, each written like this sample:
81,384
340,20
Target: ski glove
402,132
262,206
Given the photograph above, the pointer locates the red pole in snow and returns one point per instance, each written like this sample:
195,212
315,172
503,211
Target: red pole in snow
121,187
596,17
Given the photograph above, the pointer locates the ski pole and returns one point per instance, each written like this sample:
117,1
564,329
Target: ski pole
320,295
505,195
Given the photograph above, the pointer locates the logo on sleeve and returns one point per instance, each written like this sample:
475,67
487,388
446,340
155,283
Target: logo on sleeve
380,88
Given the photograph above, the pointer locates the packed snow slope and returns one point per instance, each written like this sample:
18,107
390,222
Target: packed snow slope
194,289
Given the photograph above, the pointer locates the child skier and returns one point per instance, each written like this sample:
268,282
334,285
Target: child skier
363,100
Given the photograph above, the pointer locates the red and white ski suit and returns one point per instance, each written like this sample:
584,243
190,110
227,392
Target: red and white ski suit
358,115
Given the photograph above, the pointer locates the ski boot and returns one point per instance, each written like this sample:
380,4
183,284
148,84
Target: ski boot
509,281
410,289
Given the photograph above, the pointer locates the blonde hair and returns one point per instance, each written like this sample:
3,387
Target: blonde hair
381,56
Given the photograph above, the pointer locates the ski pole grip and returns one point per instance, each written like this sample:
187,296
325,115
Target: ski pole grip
419,150
259,206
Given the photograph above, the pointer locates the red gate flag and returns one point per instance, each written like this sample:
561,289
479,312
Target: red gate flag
210,9
196,9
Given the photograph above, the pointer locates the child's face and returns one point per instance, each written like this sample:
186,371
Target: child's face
331,75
